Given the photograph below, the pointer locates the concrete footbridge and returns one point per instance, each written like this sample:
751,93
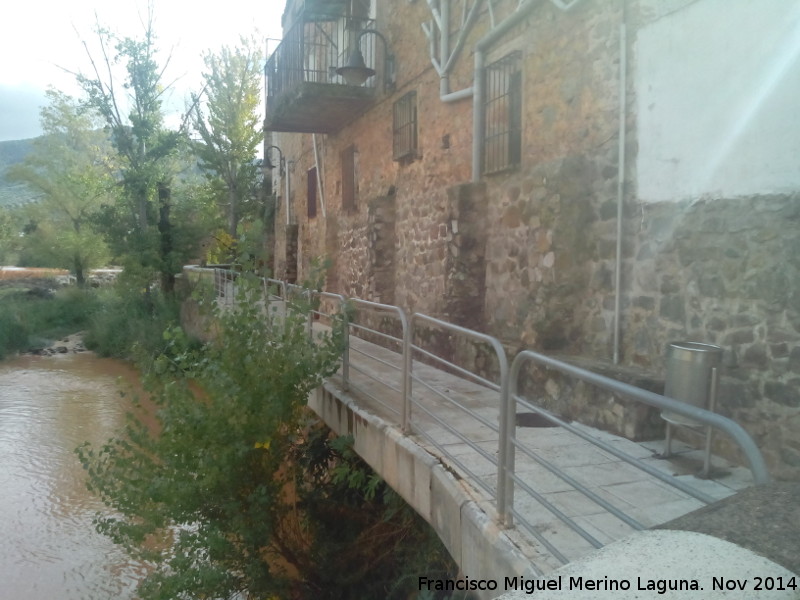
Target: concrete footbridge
529,502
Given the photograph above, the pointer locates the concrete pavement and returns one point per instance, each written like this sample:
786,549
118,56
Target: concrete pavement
670,565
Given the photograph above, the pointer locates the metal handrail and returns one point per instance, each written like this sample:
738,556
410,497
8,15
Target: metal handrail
731,428
277,282
221,279
341,303
507,388
501,388
400,315
756,461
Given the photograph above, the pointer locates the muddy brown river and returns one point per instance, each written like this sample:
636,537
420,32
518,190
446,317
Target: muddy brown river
48,545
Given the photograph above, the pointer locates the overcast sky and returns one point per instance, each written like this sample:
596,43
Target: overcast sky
39,37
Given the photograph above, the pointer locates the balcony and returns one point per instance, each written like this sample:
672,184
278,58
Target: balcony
304,93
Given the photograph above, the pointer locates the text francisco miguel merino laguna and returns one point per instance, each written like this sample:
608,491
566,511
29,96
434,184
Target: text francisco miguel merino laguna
660,586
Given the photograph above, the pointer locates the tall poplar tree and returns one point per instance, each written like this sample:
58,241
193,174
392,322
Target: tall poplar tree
229,126
133,113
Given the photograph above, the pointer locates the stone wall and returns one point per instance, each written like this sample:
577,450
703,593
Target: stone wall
528,255
465,271
382,249
726,272
290,266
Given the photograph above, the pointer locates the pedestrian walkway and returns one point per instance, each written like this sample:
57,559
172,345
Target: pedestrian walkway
573,501
375,384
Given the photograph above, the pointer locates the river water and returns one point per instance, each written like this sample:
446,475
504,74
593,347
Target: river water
48,545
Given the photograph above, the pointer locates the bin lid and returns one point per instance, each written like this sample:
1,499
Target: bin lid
708,354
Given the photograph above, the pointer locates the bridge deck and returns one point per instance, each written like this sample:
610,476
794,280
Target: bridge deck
375,384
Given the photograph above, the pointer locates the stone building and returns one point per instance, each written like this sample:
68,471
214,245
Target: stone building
478,176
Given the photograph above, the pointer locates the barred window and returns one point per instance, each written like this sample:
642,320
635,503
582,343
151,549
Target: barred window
405,127
311,195
503,124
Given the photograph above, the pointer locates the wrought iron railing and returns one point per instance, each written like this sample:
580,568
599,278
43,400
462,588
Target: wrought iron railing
311,51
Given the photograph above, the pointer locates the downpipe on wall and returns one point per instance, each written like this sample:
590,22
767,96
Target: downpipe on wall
623,113
287,188
319,174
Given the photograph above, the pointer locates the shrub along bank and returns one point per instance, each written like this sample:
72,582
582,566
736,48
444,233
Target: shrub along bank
115,320
248,492
33,315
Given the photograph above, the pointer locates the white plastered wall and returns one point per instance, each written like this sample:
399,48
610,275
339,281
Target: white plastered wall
718,100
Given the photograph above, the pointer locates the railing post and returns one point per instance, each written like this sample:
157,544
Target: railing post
231,300
505,461
405,385
346,349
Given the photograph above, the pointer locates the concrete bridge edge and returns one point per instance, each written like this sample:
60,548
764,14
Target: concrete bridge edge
481,548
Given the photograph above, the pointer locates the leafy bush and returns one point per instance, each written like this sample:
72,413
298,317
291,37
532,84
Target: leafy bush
236,489
127,318
13,334
37,316
208,477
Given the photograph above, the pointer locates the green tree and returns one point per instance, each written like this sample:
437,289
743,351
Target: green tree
135,119
234,491
229,126
210,471
11,224
71,168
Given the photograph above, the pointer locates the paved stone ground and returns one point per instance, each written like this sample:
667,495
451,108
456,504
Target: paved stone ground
440,403
764,519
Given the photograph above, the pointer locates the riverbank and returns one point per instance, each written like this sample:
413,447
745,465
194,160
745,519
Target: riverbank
36,319
70,344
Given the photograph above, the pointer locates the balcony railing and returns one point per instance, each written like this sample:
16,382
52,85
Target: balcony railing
304,92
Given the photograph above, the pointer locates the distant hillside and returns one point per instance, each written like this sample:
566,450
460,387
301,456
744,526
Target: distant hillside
13,152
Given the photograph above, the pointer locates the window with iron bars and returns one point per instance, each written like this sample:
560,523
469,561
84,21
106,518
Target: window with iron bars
503,121
405,127
311,193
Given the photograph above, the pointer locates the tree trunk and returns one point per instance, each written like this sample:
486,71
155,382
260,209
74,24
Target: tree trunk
80,279
232,210
165,234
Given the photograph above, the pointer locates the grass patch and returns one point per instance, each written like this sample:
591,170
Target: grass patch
35,317
126,318
115,320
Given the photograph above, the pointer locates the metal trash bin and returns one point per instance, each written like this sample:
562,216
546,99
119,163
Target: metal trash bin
692,376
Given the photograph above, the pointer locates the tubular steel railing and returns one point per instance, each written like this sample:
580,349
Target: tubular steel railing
420,364
453,400
327,306
274,284
386,338
756,462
